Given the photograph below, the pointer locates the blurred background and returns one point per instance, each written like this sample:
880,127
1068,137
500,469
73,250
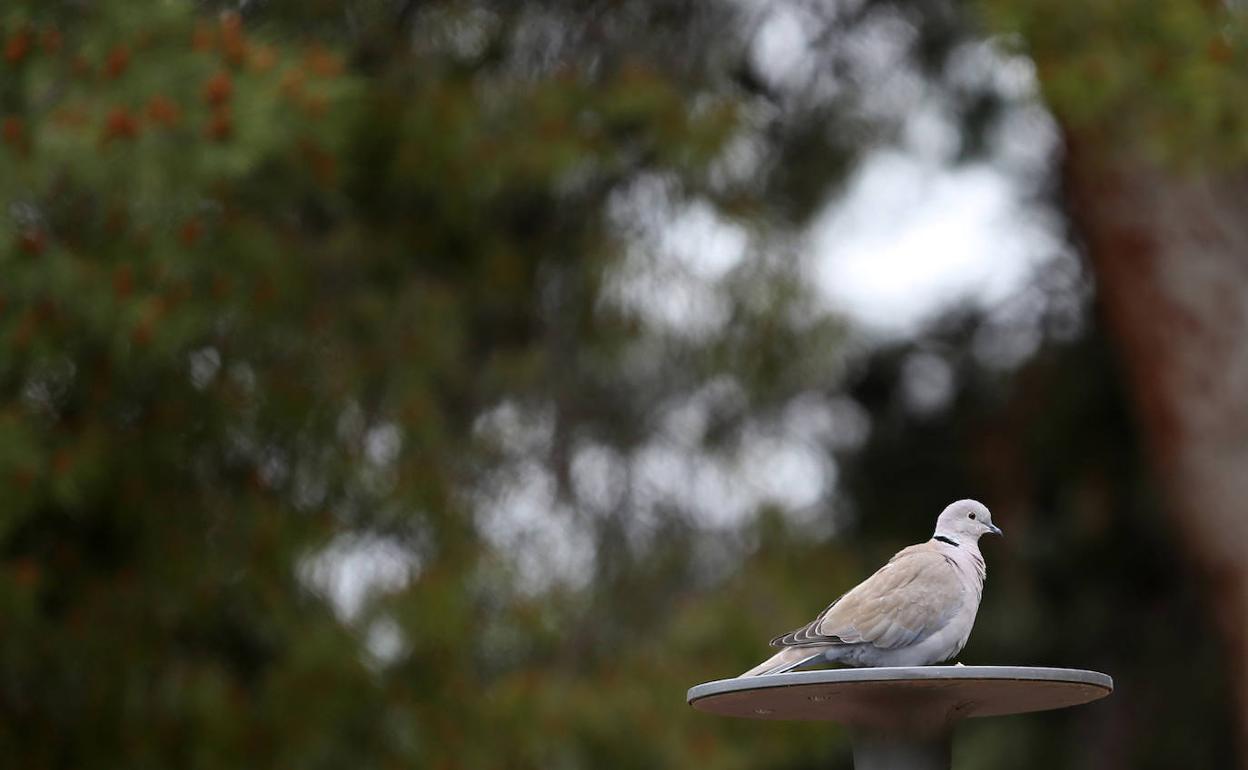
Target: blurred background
402,384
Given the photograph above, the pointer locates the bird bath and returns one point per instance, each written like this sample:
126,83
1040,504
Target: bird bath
900,717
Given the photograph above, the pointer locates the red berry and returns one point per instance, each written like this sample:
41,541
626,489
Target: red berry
17,47
218,89
120,124
117,62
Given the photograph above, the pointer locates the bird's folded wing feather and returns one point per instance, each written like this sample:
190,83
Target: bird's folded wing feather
914,595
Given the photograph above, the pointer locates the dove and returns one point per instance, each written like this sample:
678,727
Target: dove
916,610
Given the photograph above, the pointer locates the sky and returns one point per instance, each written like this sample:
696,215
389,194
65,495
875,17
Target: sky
912,234
911,240
916,231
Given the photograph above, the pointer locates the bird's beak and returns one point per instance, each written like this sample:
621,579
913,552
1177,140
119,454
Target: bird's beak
996,530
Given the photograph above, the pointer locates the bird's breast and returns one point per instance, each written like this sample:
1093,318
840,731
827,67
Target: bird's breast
974,572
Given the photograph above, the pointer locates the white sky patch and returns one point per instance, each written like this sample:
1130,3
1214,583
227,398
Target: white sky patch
782,465
787,472
382,444
205,363
927,383
722,490
910,240
384,642
354,567
516,430
915,234
703,242
523,519
680,251
599,477
837,423
669,299
550,540
782,44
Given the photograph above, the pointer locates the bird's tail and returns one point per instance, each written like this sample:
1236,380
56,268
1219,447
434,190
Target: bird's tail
788,659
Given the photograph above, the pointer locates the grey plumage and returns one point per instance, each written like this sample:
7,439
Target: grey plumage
916,610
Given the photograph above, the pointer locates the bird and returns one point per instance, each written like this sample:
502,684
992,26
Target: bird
916,610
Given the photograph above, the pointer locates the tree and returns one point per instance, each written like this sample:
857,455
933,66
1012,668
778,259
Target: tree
1149,94
270,288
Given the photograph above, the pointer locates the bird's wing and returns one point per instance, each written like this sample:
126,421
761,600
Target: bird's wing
912,596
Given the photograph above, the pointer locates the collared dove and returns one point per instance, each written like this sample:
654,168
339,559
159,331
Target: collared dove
914,611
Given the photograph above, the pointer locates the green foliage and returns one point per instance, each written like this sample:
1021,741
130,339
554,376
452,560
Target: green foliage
260,284
1165,78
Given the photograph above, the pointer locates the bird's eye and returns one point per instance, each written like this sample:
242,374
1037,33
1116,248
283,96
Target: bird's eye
971,515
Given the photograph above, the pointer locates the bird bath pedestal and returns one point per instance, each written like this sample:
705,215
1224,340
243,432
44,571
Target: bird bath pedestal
900,718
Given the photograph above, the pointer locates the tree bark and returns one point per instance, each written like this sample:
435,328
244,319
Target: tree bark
1170,256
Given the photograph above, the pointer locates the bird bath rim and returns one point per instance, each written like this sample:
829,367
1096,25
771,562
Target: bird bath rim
911,697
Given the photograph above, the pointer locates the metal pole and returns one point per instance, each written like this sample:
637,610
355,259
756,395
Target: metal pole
890,750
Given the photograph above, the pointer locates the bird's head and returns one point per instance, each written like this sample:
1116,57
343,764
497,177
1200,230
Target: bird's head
965,520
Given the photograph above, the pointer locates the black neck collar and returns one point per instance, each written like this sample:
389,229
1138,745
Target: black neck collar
944,539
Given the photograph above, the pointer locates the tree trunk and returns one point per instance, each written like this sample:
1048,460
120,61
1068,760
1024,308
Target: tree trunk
1170,257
